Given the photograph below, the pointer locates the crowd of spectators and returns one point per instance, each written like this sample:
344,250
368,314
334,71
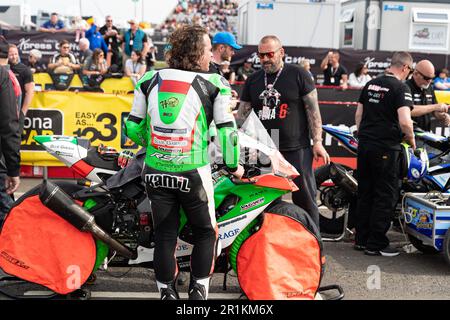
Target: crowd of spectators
131,52
103,50
215,15
442,81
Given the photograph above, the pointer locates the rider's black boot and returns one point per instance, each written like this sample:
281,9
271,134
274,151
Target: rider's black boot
168,290
198,288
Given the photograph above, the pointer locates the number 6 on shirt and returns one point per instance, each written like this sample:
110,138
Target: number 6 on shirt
283,111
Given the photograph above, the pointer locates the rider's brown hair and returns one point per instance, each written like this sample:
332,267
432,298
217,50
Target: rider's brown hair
186,47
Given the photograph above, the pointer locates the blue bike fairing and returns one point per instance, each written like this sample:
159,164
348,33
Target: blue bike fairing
344,136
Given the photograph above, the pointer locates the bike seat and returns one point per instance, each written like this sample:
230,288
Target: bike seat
96,160
83,142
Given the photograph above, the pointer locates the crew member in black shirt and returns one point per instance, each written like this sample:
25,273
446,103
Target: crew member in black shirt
333,71
24,75
113,40
424,99
383,119
285,100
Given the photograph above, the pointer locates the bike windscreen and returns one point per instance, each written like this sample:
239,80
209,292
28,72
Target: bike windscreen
257,147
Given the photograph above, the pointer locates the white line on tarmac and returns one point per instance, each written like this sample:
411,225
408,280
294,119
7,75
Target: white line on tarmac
142,295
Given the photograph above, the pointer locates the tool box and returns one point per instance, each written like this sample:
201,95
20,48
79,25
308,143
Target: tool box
427,217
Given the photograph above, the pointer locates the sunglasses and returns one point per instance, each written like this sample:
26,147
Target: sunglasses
269,55
109,21
424,76
65,47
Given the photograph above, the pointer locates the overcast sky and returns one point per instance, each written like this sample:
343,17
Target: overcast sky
121,10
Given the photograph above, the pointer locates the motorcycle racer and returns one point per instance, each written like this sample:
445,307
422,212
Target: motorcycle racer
171,114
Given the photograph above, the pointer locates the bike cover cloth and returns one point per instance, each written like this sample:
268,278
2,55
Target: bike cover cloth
129,173
39,246
283,259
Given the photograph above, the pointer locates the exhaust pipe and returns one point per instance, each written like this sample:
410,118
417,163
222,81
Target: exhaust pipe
343,178
54,198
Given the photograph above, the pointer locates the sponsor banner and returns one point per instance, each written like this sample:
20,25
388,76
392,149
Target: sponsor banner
423,38
377,61
47,43
98,117
429,36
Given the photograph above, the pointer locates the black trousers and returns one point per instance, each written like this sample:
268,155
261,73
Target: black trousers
169,192
115,58
305,198
378,190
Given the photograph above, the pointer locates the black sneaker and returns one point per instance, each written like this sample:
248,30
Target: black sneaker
386,252
169,294
197,292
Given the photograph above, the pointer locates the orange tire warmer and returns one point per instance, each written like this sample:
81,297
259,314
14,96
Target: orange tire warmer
280,259
38,246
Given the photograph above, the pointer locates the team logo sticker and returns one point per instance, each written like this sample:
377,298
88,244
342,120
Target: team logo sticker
424,221
252,204
172,102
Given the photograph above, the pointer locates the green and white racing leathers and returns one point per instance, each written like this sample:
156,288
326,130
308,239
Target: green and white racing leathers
171,114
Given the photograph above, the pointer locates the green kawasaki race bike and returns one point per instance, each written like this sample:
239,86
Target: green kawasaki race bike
272,245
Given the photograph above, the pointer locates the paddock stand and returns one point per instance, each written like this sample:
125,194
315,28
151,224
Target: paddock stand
345,230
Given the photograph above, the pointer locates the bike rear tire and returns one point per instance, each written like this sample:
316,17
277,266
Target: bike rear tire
328,225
